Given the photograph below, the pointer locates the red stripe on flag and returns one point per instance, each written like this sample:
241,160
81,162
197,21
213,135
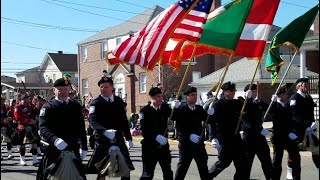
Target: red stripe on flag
250,48
263,12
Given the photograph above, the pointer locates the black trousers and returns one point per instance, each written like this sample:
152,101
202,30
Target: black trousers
151,155
188,151
294,160
233,151
256,144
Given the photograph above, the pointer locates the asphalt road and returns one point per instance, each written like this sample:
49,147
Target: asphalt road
10,170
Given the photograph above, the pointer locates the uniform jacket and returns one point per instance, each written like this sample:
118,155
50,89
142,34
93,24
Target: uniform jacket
104,115
154,123
253,116
282,122
225,119
63,121
302,110
189,121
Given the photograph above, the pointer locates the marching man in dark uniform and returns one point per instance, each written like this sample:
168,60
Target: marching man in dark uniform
284,136
189,119
302,108
254,135
108,118
61,125
155,146
229,144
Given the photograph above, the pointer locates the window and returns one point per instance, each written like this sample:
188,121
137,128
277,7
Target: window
85,87
118,41
196,75
54,77
84,53
143,82
104,49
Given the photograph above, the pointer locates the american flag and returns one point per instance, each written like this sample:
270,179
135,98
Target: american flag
145,47
190,29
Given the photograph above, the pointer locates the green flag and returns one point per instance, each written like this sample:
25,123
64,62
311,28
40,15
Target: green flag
292,35
218,33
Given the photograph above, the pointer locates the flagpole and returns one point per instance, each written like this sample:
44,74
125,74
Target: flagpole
265,115
181,85
217,92
246,98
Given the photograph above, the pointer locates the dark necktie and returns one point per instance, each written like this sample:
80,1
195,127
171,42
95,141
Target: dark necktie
64,103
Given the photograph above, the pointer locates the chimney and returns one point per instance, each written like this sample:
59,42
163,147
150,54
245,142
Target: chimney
60,52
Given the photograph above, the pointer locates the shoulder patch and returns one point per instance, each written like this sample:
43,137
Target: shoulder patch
293,102
141,115
42,112
91,109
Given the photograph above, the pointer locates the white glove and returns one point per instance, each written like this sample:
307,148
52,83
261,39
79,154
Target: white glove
274,98
175,104
248,94
60,144
83,153
129,144
194,138
265,132
113,148
215,143
210,111
308,129
314,126
293,136
161,139
110,133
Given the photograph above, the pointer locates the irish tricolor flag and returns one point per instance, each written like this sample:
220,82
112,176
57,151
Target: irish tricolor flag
242,29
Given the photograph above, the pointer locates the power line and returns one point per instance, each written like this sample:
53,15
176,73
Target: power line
91,12
109,9
132,4
295,4
33,47
14,21
11,62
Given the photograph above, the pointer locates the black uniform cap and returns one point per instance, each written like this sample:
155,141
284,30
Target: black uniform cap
190,90
105,80
305,80
154,91
61,82
253,88
228,86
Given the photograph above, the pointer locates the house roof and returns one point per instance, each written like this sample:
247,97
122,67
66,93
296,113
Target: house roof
243,69
16,85
29,70
65,62
132,25
5,78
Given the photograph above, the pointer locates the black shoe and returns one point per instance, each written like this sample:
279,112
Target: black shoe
37,164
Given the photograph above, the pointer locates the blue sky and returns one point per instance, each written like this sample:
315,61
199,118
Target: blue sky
15,58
